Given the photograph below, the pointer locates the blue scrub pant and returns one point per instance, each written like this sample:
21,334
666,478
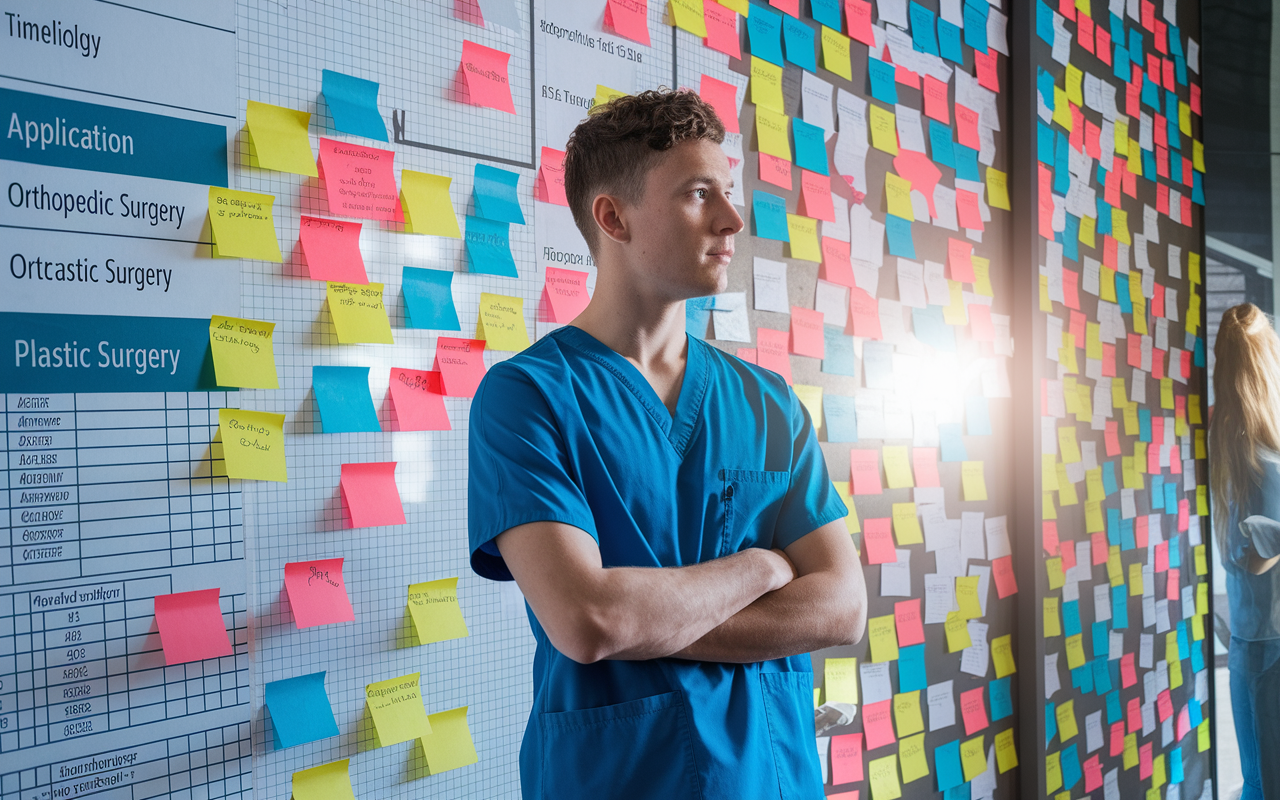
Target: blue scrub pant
1255,703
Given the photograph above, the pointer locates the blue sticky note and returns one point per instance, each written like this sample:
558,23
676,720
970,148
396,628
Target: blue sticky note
489,248
1170,506
1071,773
1114,712
1117,29
1101,675
946,761
1176,772
799,40
827,12
975,26
1175,168
1150,93
1120,62
1119,608
951,443
1061,163
811,146
1175,548
1071,237
1044,143
300,710
931,328
1127,540
1101,641
1122,293
922,30
911,669
342,393
1001,699
941,144
1184,643
1109,484
697,315
838,358
976,415
1148,162
428,299
1175,40
967,163
1082,678
1050,722
764,32
495,194
898,231
961,792
1104,214
770,212
353,102
1113,526
883,85
1193,709
1197,197
1171,110
949,42
1044,22
1136,45
841,418
1197,661
1071,617
1180,70
1157,492
1198,349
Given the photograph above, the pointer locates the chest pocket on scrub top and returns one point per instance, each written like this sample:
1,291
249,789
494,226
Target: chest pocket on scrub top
751,500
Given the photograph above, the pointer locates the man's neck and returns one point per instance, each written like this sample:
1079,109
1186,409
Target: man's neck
646,331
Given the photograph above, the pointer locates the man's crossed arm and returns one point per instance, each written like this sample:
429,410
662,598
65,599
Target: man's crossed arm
753,605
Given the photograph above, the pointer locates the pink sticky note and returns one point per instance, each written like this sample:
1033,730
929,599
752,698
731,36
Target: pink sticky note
722,29
960,260
1173,585
775,170
877,724
1100,548
807,338
981,327
924,462
317,593
1092,767
460,363
1045,206
857,14
935,100
864,315
877,541
967,127
1128,675
985,65
1184,723
1164,705
836,267
1145,759
191,626
906,616
1049,536
418,400
721,96
967,211
771,351
565,294
851,795
344,165
864,471
332,248
1002,571
923,174
1069,556
629,18
1134,714
815,196
1117,739
370,494
790,7
973,707
846,758
1162,555
484,73
549,186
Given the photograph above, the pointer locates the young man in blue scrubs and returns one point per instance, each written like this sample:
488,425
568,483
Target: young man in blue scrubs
663,506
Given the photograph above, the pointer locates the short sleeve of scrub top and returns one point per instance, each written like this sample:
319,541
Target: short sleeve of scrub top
811,501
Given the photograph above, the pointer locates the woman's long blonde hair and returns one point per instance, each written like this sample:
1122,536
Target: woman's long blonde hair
1246,411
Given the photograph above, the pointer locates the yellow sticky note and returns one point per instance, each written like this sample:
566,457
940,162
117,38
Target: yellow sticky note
242,352
1062,109
906,714
835,53
803,233
851,521
897,467
1202,736
1158,775
242,225
882,774
1066,714
1053,567
1075,84
1184,118
1175,674
1052,620
1202,561
1075,651
688,14
1202,446
973,757
982,276
975,482
1048,472
771,130
428,209
957,632
330,781
1006,751
1135,158
604,94
1130,751
743,7
1066,489
278,139
252,444
967,597
766,86
998,189
840,680
1067,444
501,322
1135,580
906,524
897,195
1120,225
955,313
435,611
1166,393
1107,284
1115,571
1088,229
1046,303
883,633
1095,491
811,399
911,758
358,314
449,744
398,713
884,130
1197,155
1002,656
1052,772
1048,509
1093,518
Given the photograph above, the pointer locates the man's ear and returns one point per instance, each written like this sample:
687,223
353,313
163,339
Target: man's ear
607,211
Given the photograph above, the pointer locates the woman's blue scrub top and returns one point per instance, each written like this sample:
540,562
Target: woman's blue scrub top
569,431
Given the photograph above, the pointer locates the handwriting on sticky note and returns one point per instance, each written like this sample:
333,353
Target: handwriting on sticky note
396,706
565,294
418,400
279,138
359,181
460,363
191,626
242,352
358,313
435,611
317,592
449,745
326,782
300,710
840,680
242,225
484,70
883,776
370,494
501,322
252,444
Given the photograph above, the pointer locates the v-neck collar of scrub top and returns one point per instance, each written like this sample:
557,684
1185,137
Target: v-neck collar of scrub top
678,428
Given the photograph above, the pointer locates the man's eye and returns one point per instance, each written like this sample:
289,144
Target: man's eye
702,193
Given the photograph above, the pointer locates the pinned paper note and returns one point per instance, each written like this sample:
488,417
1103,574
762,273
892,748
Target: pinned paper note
242,352
317,593
332,249
359,181
326,782
242,225
353,102
418,400
435,611
191,626
252,444
426,199
496,198
370,494
278,139
449,745
300,710
428,299
501,322
342,395
397,709
484,73
358,313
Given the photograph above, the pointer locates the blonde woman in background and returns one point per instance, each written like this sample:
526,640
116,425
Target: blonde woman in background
1244,476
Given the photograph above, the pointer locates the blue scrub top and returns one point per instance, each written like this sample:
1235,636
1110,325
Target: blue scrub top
569,431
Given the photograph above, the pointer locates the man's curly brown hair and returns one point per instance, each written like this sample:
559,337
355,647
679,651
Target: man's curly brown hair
613,149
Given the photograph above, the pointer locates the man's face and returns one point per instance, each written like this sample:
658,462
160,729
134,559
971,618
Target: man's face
683,225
